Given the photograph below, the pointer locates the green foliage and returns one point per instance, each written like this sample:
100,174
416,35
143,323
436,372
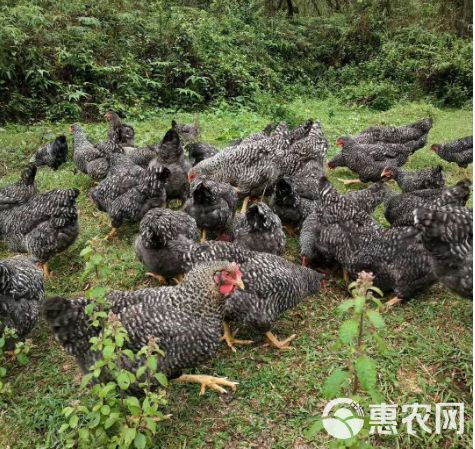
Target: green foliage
61,61
123,408
358,336
20,354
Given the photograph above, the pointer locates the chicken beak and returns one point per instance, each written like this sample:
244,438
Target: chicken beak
240,284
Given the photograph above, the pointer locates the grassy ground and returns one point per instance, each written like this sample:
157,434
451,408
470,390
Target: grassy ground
430,359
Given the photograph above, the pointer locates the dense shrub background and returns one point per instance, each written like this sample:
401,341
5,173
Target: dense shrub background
76,59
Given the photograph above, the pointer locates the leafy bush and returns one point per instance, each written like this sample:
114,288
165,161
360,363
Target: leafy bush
67,61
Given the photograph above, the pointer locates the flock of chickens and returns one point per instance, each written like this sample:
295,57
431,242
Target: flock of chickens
232,260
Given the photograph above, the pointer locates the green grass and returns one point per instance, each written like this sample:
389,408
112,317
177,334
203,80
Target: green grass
279,392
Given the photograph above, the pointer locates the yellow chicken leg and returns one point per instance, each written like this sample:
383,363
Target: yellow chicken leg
203,236
276,343
161,280
112,234
347,182
290,231
245,203
392,302
46,273
211,382
179,278
228,337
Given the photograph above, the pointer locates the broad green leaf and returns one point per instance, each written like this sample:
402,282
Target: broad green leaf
128,434
365,368
152,363
140,441
105,409
63,427
22,359
348,331
375,318
73,421
380,343
111,420
162,379
334,384
316,427
123,380
346,305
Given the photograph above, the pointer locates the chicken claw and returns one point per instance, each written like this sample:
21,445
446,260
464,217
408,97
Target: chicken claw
211,382
276,343
179,278
347,182
112,234
228,337
161,280
392,302
245,203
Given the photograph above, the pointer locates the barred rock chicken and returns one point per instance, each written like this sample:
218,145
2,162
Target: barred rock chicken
91,160
253,167
142,156
54,154
369,160
291,208
371,197
45,225
199,151
266,132
399,208
408,181
273,285
126,197
120,163
213,205
259,229
19,192
187,133
21,294
186,321
119,132
447,235
399,262
459,151
159,228
170,155
390,134
304,160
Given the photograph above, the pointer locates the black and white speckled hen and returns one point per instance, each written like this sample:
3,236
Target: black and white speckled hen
199,151
186,321
21,294
369,160
399,208
53,154
408,181
159,228
259,229
368,199
253,167
391,134
119,132
45,225
128,197
287,203
266,132
459,151
273,285
91,160
188,133
20,192
170,155
213,205
447,233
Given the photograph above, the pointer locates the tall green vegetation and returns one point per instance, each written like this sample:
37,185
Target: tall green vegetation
69,60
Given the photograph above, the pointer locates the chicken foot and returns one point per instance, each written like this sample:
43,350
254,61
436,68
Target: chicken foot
290,231
179,278
161,280
278,344
392,302
347,182
211,382
245,204
229,338
203,236
112,234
